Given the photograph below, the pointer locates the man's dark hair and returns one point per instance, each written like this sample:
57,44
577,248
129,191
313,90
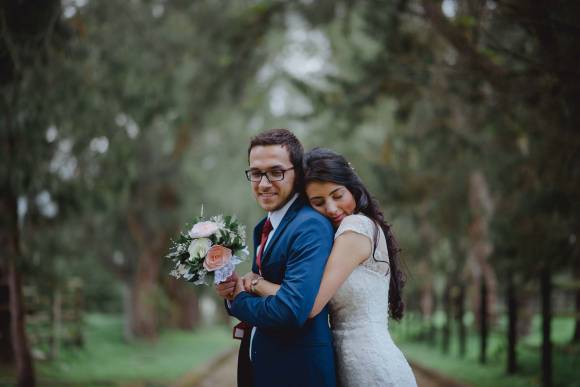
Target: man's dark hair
288,140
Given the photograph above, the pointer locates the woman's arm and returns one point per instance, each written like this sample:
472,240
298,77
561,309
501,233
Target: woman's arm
350,250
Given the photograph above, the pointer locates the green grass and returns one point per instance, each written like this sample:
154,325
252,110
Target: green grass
566,358
465,370
107,359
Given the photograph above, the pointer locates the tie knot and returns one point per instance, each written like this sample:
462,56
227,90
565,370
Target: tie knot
267,227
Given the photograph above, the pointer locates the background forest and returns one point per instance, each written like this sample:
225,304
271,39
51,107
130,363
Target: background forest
119,119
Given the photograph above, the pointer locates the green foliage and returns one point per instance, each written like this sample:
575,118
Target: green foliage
476,91
130,115
130,87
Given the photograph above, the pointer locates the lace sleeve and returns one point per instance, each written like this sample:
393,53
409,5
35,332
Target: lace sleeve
379,261
359,224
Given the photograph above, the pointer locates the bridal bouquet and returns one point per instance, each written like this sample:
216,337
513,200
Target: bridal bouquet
211,248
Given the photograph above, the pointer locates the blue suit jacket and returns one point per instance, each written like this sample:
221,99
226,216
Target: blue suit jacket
289,349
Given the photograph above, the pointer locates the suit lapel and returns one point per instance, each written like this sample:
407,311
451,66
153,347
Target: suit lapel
288,217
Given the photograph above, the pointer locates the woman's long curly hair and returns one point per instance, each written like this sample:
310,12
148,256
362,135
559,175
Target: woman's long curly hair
324,165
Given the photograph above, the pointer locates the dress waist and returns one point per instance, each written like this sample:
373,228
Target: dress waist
359,324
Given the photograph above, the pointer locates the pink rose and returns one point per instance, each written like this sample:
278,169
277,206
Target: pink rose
217,257
203,229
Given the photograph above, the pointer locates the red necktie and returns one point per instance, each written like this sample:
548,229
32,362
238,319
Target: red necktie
266,229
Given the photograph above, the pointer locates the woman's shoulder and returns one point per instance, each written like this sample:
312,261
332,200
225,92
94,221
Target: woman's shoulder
359,223
358,219
358,215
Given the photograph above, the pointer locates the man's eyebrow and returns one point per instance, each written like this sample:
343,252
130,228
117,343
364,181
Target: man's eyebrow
269,169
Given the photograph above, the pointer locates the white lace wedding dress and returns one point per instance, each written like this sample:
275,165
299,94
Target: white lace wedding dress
366,354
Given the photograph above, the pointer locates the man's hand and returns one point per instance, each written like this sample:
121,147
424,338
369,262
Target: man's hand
247,281
238,288
227,289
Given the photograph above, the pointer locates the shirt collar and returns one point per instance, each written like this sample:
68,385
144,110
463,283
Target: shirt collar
277,216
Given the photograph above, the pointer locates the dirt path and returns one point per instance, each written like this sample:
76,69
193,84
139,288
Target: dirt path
430,378
221,372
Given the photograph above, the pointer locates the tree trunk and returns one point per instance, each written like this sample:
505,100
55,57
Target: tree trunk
145,288
461,326
483,317
448,318
56,317
576,337
144,297
480,270
432,329
512,309
189,312
6,352
10,245
24,365
546,294
77,308
185,305
127,311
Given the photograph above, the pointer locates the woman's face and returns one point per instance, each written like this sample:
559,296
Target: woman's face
332,200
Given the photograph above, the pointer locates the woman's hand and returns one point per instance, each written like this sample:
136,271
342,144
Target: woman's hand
258,286
247,281
264,288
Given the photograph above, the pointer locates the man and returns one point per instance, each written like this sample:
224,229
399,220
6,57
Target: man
286,348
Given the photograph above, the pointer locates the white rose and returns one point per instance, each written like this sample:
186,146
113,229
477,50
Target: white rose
182,269
203,229
199,247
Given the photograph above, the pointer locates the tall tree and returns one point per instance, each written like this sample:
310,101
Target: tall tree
514,67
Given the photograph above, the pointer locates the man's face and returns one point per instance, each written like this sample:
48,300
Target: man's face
272,195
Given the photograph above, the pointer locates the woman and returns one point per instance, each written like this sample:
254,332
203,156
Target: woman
361,280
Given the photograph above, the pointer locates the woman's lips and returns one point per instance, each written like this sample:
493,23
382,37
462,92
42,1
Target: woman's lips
337,219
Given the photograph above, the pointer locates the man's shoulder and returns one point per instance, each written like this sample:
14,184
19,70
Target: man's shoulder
310,215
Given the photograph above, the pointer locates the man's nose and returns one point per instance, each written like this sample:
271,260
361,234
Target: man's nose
264,182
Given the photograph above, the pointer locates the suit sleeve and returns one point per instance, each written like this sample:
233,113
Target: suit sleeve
290,307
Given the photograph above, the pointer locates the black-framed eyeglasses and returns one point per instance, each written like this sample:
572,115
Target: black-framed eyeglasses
256,175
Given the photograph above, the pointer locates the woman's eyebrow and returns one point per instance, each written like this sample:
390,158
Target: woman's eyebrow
333,191
322,197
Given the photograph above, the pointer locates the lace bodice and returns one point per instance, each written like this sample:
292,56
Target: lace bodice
366,354
364,294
